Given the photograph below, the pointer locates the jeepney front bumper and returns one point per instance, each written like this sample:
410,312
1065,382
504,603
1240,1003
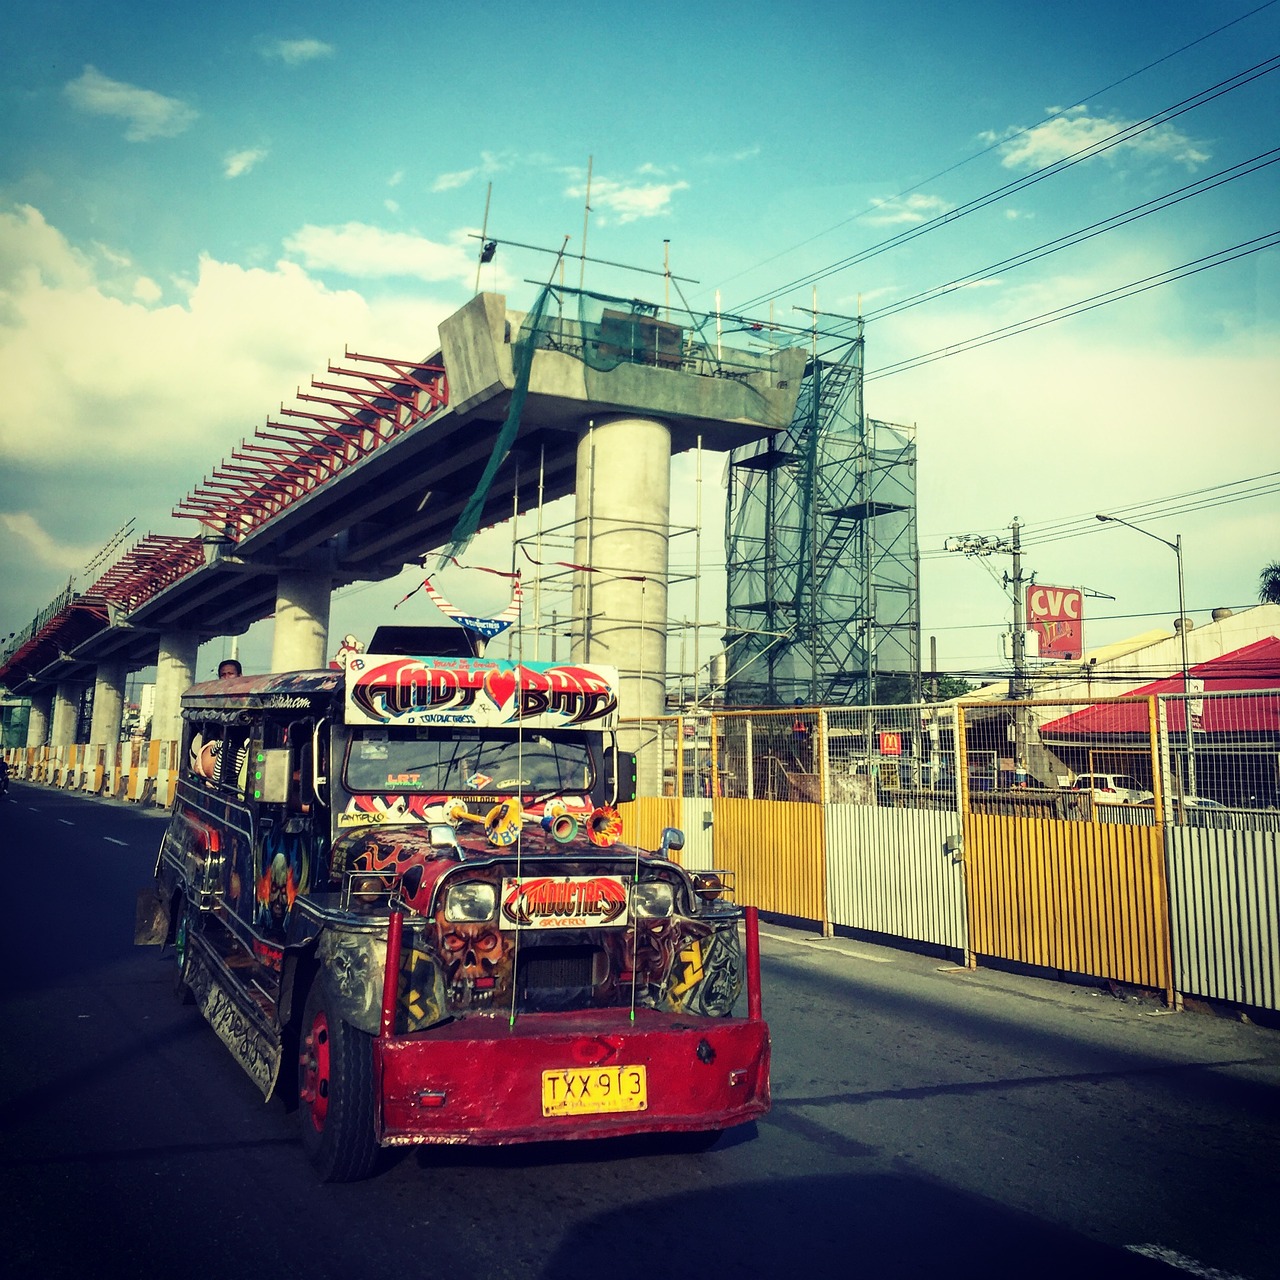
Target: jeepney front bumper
480,1081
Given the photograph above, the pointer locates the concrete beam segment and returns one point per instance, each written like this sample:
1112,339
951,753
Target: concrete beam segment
477,346
66,709
301,637
621,532
38,720
175,673
108,703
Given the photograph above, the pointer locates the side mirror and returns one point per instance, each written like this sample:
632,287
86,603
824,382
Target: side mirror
672,840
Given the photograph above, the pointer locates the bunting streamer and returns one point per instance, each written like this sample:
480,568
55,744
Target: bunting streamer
486,627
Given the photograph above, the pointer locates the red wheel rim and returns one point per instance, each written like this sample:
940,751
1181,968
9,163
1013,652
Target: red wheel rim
315,1070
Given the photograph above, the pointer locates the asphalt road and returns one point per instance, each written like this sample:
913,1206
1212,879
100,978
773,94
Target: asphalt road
928,1121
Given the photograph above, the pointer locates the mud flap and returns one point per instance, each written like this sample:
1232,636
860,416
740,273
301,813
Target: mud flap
151,918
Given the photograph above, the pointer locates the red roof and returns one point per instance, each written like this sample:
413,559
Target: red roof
1255,667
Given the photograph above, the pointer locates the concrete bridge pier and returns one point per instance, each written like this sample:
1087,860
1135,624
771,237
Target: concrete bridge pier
621,530
108,704
301,636
66,710
38,720
175,673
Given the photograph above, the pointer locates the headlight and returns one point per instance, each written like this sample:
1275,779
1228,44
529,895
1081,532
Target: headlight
471,903
653,900
369,889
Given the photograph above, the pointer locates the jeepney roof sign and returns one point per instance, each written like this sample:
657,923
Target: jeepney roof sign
392,689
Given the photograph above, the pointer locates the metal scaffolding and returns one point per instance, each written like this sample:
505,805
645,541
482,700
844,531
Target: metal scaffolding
822,555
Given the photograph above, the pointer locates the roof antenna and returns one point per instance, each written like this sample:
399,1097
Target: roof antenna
586,214
487,248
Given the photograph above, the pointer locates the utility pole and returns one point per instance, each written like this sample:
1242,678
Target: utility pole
973,545
1017,684
1018,688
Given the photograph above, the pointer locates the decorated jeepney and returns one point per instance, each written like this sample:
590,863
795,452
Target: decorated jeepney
399,894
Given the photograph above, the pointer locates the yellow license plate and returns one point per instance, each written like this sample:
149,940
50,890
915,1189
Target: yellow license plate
594,1091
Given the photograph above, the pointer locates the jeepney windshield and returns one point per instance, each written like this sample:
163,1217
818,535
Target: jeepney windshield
443,761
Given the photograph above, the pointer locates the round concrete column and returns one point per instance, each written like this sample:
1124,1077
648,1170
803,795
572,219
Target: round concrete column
38,720
301,636
175,673
108,704
66,710
621,529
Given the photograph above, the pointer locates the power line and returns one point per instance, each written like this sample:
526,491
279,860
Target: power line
1218,258
1126,134
1152,509
1079,236
1004,141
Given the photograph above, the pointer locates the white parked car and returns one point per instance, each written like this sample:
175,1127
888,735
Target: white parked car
1112,788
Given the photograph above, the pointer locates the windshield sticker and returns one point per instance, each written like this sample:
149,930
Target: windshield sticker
477,781
384,690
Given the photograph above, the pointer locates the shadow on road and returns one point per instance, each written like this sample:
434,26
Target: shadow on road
881,1226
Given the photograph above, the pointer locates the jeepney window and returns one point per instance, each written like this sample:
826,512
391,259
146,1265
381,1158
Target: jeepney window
218,754
444,761
295,735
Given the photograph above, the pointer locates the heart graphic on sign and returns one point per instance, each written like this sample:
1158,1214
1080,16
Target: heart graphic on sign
500,686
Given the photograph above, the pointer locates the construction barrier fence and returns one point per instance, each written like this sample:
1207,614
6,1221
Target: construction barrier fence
1130,839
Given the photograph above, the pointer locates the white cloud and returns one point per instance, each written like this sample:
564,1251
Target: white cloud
295,52
237,163
116,406
909,210
451,181
732,157
490,163
150,114
627,202
357,249
91,375
1075,129
23,527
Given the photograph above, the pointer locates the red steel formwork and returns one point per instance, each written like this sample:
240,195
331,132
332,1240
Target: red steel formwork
156,562
371,406
367,402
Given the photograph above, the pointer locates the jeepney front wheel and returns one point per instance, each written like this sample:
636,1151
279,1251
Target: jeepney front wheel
335,1093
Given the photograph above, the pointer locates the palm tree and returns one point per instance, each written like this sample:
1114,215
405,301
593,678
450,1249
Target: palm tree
1269,583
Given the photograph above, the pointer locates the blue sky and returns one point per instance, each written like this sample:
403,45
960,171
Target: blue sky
201,205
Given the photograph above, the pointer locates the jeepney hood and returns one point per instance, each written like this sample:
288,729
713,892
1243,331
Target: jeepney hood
412,855
418,857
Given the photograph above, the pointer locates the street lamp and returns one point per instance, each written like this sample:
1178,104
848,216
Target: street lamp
1176,548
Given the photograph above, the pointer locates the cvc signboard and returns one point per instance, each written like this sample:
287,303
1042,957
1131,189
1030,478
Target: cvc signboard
1056,614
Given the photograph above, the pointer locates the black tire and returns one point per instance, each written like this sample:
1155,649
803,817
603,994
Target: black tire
692,1143
181,932
335,1093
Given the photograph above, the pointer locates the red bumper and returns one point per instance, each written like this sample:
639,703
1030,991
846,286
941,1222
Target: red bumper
479,1080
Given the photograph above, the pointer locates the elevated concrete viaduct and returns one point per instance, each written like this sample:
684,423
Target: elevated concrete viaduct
377,478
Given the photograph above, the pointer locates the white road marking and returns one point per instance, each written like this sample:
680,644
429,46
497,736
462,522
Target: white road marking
827,944
1172,1258
66,822
113,840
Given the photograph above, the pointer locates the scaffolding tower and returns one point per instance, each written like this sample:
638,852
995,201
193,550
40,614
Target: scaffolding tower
822,558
